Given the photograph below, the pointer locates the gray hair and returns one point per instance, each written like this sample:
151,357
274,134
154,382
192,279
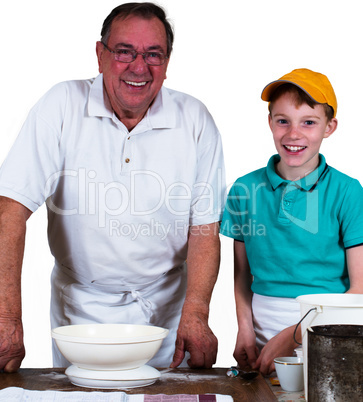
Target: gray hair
144,10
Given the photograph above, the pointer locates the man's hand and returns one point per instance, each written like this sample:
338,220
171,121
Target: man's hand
195,336
12,350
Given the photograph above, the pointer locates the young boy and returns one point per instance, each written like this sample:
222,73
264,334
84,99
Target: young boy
297,224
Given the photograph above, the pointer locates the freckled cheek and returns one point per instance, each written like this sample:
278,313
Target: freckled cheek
112,69
277,135
116,71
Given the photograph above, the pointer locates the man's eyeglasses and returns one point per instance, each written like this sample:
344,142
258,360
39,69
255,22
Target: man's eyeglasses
129,55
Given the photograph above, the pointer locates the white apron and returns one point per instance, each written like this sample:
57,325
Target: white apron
271,315
74,301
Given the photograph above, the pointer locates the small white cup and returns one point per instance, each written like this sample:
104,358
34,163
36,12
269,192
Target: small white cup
290,373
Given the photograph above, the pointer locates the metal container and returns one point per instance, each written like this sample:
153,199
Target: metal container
335,371
327,309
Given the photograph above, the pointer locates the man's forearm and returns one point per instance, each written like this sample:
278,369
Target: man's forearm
194,334
203,266
13,218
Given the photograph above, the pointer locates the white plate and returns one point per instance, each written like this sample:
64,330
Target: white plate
112,379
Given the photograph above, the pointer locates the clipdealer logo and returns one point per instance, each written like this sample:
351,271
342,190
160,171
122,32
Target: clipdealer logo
92,196
311,221
243,203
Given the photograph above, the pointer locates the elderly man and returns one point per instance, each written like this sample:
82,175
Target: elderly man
133,177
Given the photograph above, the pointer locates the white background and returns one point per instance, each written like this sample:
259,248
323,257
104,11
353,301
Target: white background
225,52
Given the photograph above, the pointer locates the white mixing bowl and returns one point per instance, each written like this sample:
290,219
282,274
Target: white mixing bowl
109,346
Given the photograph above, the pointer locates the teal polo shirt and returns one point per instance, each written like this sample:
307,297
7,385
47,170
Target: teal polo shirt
296,232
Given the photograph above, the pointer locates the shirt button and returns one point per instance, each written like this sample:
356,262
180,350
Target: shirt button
127,160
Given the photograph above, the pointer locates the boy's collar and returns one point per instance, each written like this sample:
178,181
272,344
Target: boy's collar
307,183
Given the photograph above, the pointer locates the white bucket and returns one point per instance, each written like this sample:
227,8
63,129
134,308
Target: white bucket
327,309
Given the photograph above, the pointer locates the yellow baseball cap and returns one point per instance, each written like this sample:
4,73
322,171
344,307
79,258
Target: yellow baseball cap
316,85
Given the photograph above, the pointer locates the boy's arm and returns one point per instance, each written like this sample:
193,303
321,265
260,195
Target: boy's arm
283,343
355,268
245,352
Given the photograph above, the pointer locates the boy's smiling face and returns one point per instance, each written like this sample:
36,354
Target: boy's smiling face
298,132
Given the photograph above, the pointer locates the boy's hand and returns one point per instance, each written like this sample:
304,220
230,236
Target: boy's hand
282,344
246,351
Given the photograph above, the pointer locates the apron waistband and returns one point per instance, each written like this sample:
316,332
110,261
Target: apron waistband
113,287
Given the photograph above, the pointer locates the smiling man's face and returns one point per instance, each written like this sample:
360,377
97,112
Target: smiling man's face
132,87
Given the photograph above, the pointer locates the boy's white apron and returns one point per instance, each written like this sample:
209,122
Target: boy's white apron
273,314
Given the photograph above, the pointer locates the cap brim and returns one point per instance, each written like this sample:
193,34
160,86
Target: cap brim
272,86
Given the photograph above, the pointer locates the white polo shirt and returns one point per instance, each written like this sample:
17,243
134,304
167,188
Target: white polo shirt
120,203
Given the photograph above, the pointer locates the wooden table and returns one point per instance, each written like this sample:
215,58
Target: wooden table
172,381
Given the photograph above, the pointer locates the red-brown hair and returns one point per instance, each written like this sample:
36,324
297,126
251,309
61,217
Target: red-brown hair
299,98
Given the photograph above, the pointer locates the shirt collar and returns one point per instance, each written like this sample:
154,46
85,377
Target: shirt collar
98,103
161,114
307,183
